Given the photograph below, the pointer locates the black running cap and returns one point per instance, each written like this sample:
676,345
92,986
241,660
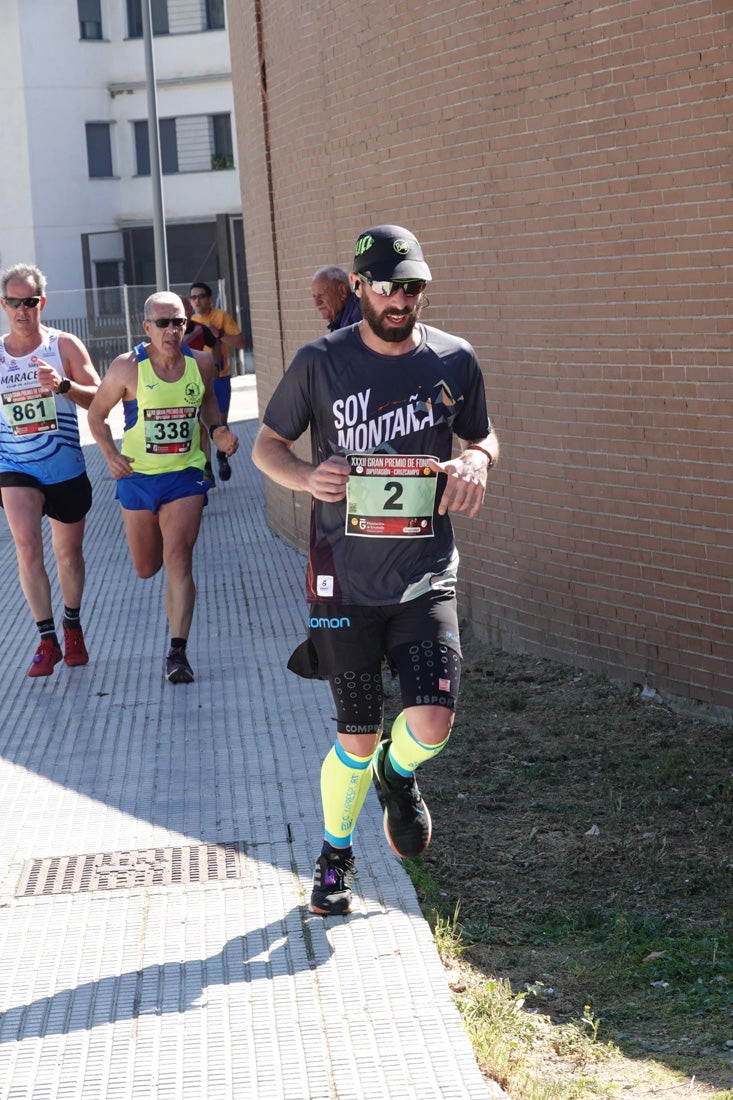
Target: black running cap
390,252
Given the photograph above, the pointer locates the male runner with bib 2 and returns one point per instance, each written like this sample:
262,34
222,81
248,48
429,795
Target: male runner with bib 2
383,400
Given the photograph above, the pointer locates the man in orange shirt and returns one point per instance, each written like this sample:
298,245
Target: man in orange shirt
229,338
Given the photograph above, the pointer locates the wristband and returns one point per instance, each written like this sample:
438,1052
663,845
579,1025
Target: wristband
475,447
214,428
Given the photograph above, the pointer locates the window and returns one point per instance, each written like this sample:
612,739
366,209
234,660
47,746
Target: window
177,16
168,147
223,152
159,11
90,20
99,150
108,278
214,15
142,150
191,143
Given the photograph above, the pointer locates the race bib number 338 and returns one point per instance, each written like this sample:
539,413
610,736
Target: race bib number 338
390,496
169,431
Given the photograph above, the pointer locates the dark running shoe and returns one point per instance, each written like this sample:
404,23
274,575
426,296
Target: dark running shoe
209,474
332,878
177,668
75,652
407,824
225,470
46,657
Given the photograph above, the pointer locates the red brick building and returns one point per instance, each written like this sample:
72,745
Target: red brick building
567,168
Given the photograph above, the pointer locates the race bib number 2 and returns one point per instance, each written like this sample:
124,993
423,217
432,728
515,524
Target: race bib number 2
390,496
30,411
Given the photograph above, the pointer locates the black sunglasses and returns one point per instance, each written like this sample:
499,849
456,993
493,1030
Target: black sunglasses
388,287
29,303
163,322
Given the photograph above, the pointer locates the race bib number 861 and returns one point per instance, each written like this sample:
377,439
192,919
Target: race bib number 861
30,411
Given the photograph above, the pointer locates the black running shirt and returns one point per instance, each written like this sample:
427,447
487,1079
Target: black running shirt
386,543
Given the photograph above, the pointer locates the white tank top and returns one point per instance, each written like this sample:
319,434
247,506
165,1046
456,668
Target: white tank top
39,430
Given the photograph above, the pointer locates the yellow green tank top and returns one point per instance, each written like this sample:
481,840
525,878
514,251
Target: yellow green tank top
161,425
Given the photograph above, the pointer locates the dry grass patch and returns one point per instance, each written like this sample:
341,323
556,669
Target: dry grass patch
580,879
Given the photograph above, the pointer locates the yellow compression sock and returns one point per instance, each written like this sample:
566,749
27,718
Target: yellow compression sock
345,780
406,752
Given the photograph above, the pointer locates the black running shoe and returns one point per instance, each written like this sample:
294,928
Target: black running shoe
407,824
332,878
209,474
225,470
177,668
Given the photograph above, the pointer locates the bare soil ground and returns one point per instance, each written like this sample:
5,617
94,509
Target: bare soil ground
586,831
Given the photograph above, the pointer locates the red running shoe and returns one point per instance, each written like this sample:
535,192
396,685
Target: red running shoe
75,652
45,658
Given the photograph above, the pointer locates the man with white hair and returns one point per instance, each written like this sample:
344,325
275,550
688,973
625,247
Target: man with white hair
334,299
161,485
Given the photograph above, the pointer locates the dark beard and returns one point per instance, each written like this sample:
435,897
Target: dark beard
386,332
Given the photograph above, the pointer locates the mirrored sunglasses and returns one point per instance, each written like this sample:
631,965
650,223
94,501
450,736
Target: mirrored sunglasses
387,287
163,322
29,303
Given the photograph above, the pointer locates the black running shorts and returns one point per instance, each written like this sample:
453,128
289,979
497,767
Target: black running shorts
66,501
346,637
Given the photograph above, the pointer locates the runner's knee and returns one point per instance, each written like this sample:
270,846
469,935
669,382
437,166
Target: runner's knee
430,725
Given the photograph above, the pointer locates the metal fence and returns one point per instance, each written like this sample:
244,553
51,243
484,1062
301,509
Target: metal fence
108,320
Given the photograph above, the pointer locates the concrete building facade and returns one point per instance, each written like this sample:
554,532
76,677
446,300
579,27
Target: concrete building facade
75,177
566,166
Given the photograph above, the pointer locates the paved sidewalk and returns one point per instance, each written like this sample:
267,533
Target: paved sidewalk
157,845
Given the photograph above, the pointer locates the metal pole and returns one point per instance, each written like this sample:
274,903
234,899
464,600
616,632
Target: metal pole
128,325
156,175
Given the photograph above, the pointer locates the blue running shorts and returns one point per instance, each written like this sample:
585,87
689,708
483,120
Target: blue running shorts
146,492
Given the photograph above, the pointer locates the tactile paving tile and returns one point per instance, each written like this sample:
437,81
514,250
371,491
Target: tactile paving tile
160,983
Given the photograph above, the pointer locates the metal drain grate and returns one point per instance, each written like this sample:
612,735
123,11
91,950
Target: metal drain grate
139,867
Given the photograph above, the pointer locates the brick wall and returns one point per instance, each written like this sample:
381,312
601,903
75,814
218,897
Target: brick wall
566,167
